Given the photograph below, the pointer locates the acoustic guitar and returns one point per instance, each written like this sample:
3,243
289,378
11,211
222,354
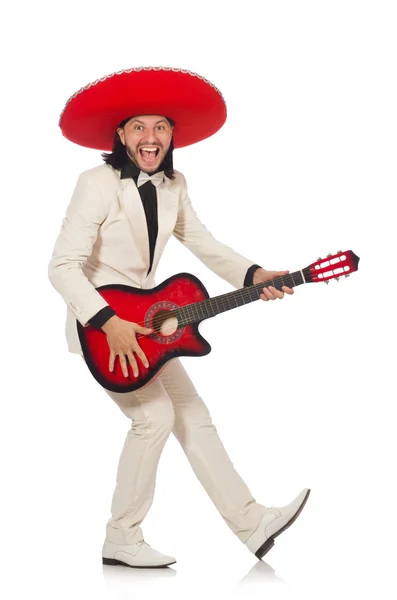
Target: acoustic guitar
174,310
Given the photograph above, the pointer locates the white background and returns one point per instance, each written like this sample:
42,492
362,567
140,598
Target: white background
302,390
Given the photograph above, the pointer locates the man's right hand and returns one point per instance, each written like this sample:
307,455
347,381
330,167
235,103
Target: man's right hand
121,336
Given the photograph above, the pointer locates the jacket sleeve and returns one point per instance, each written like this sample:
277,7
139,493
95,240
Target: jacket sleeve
249,277
102,317
84,215
220,258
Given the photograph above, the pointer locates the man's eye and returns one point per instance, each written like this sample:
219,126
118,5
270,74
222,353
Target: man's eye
160,127
138,127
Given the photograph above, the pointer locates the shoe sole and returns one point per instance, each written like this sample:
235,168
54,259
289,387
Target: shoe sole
270,542
113,561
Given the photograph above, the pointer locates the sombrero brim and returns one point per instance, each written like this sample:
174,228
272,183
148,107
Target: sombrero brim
91,116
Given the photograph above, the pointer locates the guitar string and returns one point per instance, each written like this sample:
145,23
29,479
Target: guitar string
241,293
238,293
244,293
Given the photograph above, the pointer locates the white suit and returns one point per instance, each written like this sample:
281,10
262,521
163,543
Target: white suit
104,240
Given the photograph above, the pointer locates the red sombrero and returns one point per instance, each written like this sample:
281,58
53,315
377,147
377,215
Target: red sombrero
91,116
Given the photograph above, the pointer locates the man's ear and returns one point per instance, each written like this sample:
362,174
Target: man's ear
120,131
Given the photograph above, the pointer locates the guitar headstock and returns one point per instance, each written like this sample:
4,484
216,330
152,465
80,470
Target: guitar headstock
333,267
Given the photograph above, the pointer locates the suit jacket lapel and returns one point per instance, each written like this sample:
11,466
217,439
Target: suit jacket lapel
167,211
132,204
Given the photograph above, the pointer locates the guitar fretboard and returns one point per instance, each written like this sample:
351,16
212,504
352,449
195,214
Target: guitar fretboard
198,311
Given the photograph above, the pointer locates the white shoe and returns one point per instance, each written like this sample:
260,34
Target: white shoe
275,521
134,555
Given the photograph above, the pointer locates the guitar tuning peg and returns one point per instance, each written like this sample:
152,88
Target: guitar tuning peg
337,278
339,251
329,254
326,281
347,275
319,258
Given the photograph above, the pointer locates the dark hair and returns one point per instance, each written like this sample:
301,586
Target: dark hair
118,157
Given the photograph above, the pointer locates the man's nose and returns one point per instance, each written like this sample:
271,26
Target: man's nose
151,136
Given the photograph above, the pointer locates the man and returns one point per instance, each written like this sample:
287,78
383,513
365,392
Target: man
117,224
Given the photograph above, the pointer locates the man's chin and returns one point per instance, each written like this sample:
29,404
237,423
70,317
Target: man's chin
149,168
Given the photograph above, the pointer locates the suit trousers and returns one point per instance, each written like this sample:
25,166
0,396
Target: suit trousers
170,403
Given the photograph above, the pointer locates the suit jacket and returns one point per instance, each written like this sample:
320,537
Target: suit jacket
104,240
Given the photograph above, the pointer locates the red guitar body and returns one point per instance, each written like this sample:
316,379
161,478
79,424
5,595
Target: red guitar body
141,306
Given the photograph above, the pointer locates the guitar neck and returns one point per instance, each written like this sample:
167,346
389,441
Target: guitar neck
199,311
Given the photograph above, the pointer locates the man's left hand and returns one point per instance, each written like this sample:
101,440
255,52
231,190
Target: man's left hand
271,293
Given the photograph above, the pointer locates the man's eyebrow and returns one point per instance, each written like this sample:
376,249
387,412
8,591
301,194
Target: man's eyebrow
157,122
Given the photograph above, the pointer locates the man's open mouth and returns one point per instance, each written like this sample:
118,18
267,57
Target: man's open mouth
149,153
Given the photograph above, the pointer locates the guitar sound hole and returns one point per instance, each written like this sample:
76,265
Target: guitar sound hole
164,323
